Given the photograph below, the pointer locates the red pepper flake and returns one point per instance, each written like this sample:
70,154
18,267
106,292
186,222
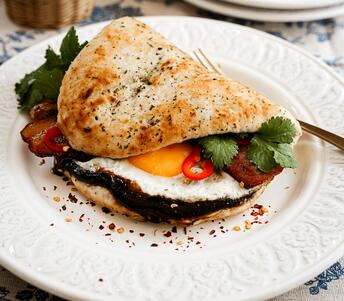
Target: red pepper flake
168,234
190,238
127,241
184,230
44,188
51,225
221,227
42,162
256,206
64,207
211,232
101,227
174,229
171,242
142,234
154,245
112,226
254,213
100,279
266,222
197,243
80,218
72,198
106,210
131,231
92,204
107,234
55,187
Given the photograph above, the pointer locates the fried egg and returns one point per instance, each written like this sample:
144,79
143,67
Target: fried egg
219,185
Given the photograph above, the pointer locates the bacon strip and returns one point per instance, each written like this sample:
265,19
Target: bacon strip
33,134
44,110
244,171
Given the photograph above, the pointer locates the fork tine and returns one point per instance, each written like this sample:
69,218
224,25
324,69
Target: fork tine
201,59
214,66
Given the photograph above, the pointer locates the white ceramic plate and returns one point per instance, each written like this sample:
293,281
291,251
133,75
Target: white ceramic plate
269,15
304,233
286,4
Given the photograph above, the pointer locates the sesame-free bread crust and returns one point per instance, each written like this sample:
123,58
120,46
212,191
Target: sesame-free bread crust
130,91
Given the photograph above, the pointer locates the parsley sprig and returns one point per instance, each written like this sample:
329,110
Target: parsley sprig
45,81
269,146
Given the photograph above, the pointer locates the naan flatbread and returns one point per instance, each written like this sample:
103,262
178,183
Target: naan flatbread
130,91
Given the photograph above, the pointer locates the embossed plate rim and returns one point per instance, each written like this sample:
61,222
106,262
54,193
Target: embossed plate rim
287,4
269,15
30,274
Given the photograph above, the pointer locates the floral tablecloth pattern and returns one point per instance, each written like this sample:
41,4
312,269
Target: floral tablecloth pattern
323,38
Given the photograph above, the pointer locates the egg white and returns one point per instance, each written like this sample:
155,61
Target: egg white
219,185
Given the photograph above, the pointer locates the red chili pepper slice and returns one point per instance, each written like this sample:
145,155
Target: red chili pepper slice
194,160
50,140
243,142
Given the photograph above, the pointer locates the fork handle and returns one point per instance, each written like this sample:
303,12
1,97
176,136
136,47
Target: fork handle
325,135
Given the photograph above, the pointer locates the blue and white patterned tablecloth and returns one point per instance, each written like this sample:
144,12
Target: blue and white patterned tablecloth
325,39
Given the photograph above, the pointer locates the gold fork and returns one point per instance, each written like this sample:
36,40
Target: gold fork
329,137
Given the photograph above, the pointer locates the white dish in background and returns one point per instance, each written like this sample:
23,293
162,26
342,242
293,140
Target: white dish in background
286,4
76,260
268,15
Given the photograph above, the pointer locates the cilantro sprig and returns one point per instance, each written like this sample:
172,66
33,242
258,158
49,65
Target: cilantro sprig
269,146
45,81
221,149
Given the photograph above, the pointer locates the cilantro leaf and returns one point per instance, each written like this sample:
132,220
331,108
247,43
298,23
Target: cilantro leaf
266,155
261,154
26,97
45,81
70,47
283,155
52,59
278,129
220,149
49,82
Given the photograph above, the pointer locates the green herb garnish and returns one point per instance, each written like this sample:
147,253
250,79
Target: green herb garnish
45,81
270,145
221,149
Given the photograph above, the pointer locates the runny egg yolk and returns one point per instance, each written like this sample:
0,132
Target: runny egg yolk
166,161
